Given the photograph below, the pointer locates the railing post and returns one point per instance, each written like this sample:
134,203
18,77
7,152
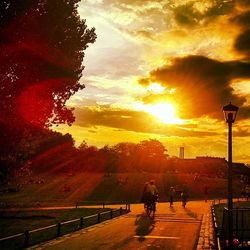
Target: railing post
81,222
215,235
242,224
120,210
129,207
236,219
26,238
103,205
111,214
58,229
98,218
76,204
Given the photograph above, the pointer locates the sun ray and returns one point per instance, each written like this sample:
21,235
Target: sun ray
164,112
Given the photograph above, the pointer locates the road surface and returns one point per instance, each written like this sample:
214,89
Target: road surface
172,228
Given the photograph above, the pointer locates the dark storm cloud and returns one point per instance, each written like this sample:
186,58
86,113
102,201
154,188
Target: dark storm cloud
220,7
242,20
241,132
186,14
134,121
243,3
242,42
189,15
202,85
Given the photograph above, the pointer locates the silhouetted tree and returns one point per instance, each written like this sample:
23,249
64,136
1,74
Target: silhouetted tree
125,152
151,155
42,50
42,45
110,159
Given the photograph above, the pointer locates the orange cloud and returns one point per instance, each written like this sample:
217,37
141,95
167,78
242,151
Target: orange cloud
202,84
134,121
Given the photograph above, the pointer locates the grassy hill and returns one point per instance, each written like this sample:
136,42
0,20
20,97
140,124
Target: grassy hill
114,188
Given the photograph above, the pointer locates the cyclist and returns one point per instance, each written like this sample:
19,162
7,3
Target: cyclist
146,195
153,191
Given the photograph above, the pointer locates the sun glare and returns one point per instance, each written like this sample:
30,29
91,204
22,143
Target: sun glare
164,112
156,88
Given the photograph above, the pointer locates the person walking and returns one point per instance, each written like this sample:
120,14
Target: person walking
184,198
247,191
171,196
205,191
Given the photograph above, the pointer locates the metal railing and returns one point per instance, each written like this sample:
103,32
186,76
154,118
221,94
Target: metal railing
241,224
35,236
216,230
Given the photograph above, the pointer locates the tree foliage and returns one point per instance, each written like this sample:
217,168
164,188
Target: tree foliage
42,50
42,45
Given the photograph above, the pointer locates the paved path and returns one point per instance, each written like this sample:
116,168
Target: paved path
173,228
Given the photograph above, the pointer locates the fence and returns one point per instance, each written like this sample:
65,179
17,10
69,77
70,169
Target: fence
216,230
241,226
32,237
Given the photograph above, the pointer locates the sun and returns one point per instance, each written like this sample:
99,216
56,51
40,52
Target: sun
164,112
156,88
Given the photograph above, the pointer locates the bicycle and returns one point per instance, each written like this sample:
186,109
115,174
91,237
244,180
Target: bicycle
150,209
150,206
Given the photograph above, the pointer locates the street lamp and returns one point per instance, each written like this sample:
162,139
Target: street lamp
230,112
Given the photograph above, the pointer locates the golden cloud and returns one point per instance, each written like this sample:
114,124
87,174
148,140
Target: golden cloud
129,120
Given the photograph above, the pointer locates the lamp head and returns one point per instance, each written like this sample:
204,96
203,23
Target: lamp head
230,112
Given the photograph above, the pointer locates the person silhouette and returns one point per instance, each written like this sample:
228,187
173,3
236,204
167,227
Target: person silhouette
205,191
171,196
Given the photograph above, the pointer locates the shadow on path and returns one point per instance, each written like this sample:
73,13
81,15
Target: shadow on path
145,226
172,209
190,213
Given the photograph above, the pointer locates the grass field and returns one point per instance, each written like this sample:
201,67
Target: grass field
67,189
43,225
13,222
218,209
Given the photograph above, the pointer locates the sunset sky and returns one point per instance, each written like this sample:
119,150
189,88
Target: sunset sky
163,70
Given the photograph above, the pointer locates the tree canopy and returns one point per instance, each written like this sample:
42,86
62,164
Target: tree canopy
42,50
42,45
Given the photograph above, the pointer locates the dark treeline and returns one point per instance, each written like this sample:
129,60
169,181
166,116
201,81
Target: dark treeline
149,155
56,153
50,152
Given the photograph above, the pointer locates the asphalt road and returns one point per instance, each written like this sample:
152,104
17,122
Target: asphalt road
172,228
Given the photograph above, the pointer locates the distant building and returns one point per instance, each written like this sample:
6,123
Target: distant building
214,166
240,168
181,153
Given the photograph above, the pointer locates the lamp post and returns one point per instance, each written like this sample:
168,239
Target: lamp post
230,112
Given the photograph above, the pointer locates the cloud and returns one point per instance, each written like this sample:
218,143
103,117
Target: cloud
242,20
186,14
194,13
202,85
242,42
243,3
128,120
242,132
